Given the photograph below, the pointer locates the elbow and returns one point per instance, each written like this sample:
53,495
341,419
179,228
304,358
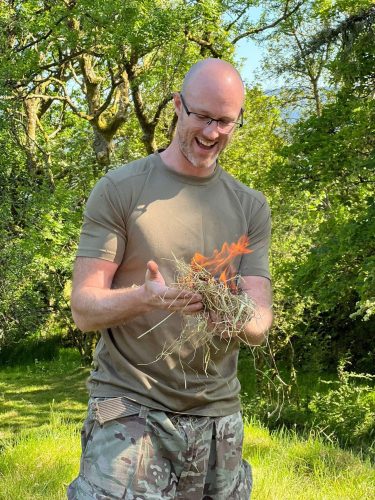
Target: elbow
257,339
80,317
80,322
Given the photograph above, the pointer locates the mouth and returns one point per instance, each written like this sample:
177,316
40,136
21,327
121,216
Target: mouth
204,144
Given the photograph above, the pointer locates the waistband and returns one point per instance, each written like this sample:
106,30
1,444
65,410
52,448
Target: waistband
105,409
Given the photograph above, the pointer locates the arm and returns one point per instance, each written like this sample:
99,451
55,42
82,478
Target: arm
95,305
259,290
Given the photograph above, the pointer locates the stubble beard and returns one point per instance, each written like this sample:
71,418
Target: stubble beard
195,162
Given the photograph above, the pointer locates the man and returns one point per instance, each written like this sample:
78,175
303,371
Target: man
168,427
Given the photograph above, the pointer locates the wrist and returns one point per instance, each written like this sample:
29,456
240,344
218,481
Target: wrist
145,298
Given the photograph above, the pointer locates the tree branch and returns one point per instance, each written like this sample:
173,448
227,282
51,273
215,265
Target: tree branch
160,108
137,98
255,31
42,38
331,34
46,67
205,44
229,26
66,99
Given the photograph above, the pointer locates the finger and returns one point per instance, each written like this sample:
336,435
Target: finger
193,308
153,269
213,317
181,300
183,303
187,309
180,304
176,293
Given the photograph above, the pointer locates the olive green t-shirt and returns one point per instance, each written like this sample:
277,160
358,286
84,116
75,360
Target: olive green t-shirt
143,211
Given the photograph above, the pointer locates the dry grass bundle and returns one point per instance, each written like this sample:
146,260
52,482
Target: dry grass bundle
227,308
226,311
232,308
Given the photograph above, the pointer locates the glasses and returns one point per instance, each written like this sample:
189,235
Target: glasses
224,126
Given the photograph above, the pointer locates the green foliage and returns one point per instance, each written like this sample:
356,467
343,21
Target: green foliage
339,407
36,261
29,350
39,230
254,148
321,189
330,162
346,412
316,174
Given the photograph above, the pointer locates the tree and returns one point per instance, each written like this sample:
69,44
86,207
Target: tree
100,59
327,178
82,74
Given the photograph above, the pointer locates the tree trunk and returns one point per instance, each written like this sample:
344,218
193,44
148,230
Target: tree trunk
103,146
318,104
31,109
148,139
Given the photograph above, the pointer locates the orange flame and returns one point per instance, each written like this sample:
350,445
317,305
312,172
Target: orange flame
220,263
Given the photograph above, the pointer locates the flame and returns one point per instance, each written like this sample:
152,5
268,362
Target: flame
220,263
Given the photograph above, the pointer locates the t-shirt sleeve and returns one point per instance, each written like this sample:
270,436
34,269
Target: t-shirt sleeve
103,232
257,262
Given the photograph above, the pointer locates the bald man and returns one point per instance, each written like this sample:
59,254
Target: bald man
168,427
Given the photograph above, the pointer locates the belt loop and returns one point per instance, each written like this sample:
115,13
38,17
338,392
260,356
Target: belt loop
143,412
97,413
94,411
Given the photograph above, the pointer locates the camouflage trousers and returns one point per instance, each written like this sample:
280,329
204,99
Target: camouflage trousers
136,453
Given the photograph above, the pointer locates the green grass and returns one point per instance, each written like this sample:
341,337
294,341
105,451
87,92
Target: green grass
42,407
27,393
286,467
39,463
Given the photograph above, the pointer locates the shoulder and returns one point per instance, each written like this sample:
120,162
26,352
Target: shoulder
131,171
123,184
245,194
119,188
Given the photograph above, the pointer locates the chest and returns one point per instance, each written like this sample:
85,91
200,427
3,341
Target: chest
179,224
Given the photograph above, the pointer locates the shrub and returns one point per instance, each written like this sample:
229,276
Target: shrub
346,411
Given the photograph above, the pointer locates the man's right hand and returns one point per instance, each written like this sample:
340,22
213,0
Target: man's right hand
159,295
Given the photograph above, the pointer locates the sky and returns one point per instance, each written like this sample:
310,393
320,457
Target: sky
252,54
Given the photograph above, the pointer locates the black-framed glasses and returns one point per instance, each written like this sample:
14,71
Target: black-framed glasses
224,126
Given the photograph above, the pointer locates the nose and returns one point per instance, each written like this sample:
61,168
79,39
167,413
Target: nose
211,130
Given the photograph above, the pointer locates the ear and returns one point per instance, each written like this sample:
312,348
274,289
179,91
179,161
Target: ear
177,103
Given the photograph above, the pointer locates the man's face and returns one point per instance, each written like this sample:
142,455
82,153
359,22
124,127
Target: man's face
200,143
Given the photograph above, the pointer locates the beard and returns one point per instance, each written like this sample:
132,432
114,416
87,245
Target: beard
187,151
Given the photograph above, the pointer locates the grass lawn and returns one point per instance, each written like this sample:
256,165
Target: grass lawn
29,393
42,408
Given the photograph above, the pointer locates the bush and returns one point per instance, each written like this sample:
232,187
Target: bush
346,412
29,350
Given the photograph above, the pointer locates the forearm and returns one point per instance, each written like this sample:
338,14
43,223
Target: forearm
95,308
255,332
95,305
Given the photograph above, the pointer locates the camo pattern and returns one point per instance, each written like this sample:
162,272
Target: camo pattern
162,456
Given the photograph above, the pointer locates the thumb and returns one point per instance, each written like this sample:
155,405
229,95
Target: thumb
152,270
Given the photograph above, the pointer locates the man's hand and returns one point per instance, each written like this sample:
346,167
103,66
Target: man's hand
159,295
219,326
256,330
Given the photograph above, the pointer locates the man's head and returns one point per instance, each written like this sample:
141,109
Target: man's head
212,88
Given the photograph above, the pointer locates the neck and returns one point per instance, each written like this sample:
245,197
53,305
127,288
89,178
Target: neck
175,160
